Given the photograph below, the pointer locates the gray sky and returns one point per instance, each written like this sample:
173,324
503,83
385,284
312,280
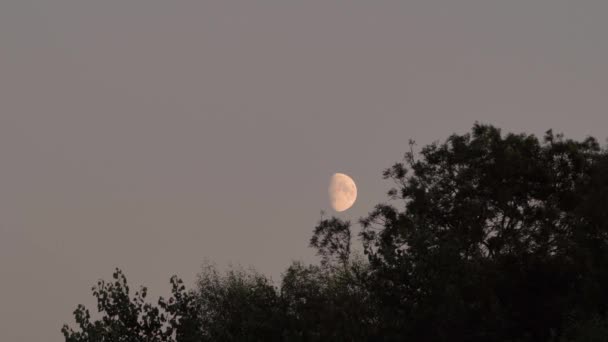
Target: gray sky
152,135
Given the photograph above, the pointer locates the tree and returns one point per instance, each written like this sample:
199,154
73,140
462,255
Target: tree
126,319
238,306
324,303
497,238
332,239
486,237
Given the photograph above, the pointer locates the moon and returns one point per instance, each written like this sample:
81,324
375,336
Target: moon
342,192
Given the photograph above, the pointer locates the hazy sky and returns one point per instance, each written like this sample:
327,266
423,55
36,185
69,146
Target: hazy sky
153,134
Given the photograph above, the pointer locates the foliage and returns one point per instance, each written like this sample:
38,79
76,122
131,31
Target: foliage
327,304
237,306
332,239
498,237
487,237
126,319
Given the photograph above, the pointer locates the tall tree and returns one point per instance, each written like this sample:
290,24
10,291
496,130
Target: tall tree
496,237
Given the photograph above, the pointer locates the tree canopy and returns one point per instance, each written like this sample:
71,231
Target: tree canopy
484,237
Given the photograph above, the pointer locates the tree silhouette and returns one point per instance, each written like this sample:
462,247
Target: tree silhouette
486,237
332,239
127,319
498,237
237,306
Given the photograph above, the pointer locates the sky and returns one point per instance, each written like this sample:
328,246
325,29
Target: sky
157,135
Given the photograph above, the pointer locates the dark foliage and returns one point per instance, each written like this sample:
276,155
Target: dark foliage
332,238
127,319
487,237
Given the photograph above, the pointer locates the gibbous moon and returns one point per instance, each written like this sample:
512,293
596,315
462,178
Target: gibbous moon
342,192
